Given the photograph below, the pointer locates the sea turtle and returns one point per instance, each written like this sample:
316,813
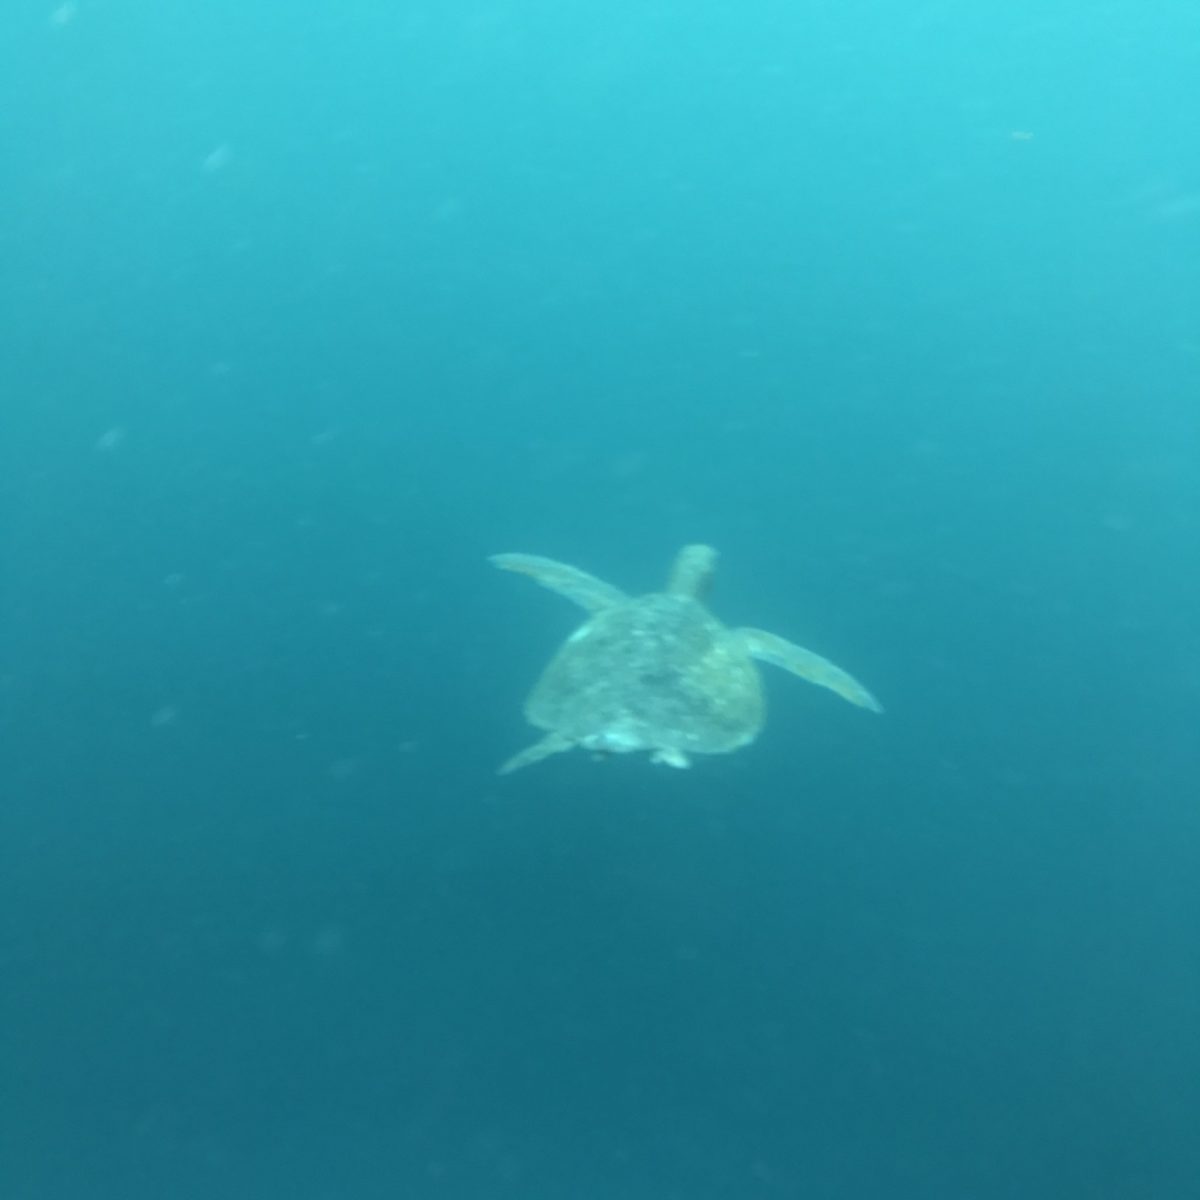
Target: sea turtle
657,672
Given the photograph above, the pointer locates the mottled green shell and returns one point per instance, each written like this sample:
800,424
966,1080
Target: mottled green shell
655,672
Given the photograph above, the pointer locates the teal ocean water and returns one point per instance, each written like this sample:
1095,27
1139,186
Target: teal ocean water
306,309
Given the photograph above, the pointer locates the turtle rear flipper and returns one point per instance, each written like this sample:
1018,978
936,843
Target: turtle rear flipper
586,590
769,648
671,757
552,743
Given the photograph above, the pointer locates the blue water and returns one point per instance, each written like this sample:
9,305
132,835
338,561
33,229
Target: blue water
306,309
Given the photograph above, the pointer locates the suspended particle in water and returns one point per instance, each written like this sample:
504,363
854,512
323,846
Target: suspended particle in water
162,717
218,159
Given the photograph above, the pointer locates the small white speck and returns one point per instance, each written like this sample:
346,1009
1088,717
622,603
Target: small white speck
111,439
343,768
272,941
328,940
449,209
218,159
64,14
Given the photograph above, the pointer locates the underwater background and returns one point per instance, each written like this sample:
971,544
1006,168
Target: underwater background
306,309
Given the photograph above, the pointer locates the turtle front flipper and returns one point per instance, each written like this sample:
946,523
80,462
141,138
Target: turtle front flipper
552,743
768,648
586,590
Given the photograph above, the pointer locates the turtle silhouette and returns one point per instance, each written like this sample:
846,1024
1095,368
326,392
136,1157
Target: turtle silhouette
658,672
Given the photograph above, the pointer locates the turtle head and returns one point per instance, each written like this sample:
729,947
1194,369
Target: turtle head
692,571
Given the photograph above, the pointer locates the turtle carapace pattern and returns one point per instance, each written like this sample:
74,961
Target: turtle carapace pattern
658,672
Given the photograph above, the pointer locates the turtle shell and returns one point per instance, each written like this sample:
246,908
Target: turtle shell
656,672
